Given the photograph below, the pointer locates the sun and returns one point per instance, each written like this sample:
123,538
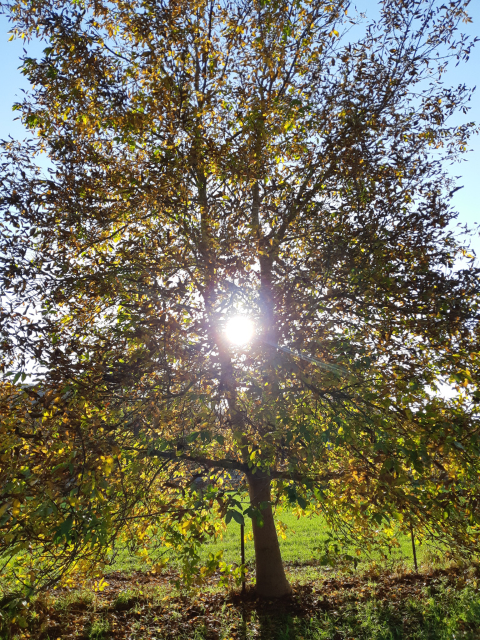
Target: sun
239,329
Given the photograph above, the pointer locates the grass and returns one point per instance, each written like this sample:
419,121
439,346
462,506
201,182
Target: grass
302,538
380,600
98,629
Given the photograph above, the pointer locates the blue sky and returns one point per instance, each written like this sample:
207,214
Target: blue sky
466,201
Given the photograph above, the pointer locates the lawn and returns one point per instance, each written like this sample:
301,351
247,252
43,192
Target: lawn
302,538
299,545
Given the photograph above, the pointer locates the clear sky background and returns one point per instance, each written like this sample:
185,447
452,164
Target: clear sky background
466,201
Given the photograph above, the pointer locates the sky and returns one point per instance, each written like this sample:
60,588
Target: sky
466,200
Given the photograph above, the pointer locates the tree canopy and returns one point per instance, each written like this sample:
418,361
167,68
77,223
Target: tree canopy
216,158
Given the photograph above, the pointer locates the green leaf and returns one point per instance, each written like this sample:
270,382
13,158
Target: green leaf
238,517
64,529
302,502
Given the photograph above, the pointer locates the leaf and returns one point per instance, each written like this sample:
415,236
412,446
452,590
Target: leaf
238,517
64,529
302,502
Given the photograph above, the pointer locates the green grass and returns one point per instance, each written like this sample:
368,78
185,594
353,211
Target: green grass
303,537
445,614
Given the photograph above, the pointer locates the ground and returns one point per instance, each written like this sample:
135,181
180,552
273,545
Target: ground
372,606
381,599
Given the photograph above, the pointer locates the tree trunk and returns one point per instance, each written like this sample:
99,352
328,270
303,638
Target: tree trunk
271,581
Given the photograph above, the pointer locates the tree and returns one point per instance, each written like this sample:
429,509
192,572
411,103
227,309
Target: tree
213,159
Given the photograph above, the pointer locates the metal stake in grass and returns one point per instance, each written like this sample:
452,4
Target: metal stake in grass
413,548
242,553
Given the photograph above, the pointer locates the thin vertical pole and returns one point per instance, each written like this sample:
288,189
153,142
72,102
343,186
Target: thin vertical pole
413,548
242,552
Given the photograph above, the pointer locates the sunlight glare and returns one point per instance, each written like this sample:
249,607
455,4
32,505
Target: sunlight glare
240,329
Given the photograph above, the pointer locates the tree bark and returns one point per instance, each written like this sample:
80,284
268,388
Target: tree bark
271,581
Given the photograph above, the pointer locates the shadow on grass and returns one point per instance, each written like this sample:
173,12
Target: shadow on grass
441,605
